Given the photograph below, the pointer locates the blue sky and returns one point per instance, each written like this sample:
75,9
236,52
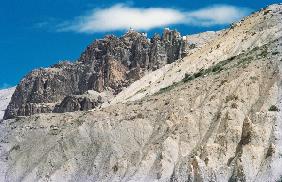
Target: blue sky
39,33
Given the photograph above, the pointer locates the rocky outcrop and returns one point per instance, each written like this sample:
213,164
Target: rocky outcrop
84,102
108,64
76,103
40,90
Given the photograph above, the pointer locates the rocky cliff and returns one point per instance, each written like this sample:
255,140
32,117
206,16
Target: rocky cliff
109,64
214,115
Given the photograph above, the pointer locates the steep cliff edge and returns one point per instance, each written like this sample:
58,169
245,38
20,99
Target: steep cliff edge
215,115
109,64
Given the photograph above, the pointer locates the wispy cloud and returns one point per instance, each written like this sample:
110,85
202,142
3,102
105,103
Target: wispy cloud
47,24
121,17
216,15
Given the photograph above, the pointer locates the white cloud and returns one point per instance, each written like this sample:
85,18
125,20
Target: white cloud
216,15
121,17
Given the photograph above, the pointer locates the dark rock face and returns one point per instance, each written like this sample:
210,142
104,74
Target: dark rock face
39,87
75,103
108,64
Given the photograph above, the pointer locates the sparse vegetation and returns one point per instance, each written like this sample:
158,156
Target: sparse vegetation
245,61
264,53
217,68
200,73
168,88
273,108
218,115
223,82
231,97
188,77
214,69
16,147
79,122
280,179
234,105
115,168
140,115
253,78
141,91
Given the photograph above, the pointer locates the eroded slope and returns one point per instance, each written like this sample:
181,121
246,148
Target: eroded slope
5,97
219,124
255,30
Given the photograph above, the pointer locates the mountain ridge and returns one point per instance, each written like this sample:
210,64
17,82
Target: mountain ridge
213,115
257,37
108,64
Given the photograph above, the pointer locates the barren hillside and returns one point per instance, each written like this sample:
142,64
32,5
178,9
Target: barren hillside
214,115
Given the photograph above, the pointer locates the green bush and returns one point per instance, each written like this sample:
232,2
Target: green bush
188,77
231,97
273,108
168,88
279,180
200,73
264,53
217,68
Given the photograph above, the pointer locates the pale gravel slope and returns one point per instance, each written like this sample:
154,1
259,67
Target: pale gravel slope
216,127
255,30
5,97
